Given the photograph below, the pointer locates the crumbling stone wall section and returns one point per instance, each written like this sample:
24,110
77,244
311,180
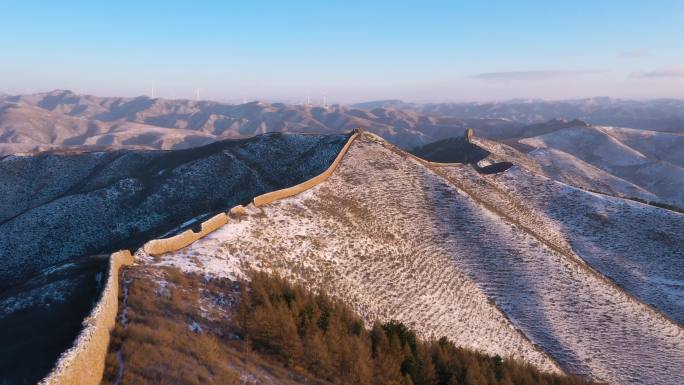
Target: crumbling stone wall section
238,211
469,135
84,362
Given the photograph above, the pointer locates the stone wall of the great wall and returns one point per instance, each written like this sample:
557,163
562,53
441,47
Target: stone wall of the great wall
83,363
184,239
272,196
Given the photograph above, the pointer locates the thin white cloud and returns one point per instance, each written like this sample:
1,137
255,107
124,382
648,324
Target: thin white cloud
636,53
672,72
534,75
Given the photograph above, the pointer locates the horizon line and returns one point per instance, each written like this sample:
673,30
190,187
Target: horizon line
330,102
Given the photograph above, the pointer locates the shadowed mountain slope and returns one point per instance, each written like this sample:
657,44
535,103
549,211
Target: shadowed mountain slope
103,201
451,150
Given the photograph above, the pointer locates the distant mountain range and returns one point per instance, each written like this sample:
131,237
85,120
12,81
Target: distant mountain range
61,119
657,115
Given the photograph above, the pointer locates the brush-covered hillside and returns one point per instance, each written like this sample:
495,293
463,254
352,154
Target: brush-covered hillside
511,263
265,330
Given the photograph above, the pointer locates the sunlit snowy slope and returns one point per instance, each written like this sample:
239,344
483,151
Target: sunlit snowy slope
653,161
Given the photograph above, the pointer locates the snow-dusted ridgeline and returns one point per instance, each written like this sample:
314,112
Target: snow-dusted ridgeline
396,239
640,162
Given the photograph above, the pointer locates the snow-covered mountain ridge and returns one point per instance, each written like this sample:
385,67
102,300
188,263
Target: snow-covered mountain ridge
495,262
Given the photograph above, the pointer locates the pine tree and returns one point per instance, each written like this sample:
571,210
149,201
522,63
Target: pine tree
315,355
362,361
290,345
387,363
425,373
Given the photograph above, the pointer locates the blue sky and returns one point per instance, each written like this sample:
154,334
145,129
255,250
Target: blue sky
348,51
